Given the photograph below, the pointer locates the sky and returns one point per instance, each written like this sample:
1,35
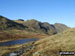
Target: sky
52,11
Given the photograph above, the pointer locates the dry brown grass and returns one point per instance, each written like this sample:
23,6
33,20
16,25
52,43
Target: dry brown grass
18,34
51,46
5,50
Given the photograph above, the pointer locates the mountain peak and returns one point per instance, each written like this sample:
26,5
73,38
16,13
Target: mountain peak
32,20
60,27
3,18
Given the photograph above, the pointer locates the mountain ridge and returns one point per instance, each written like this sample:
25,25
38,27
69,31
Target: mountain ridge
25,28
5,23
60,27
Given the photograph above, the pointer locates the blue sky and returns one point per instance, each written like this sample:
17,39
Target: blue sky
52,11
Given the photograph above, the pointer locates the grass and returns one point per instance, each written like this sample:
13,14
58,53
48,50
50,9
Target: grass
5,50
51,46
18,34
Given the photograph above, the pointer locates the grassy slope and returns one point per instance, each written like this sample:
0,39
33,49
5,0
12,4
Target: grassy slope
61,27
52,45
6,23
19,34
5,50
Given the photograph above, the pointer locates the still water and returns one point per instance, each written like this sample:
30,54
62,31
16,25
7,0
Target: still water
21,41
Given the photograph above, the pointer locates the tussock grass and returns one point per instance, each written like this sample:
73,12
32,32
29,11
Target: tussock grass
6,50
18,34
51,46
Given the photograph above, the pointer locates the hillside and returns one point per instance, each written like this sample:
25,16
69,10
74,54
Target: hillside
6,24
60,27
43,26
8,35
51,46
40,27
27,29
29,25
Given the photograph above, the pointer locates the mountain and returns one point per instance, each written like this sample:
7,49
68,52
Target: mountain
44,27
51,46
50,42
30,28
24,29
40,27
60,27
5,23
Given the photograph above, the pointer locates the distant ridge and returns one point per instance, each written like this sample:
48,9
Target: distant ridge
40,27
31,25
26,29
37,25
60,27
5,23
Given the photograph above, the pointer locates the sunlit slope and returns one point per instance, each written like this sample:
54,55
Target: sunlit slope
51,46
61,27
40,27
7,24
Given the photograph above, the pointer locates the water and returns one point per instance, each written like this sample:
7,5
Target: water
13,54
21,41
